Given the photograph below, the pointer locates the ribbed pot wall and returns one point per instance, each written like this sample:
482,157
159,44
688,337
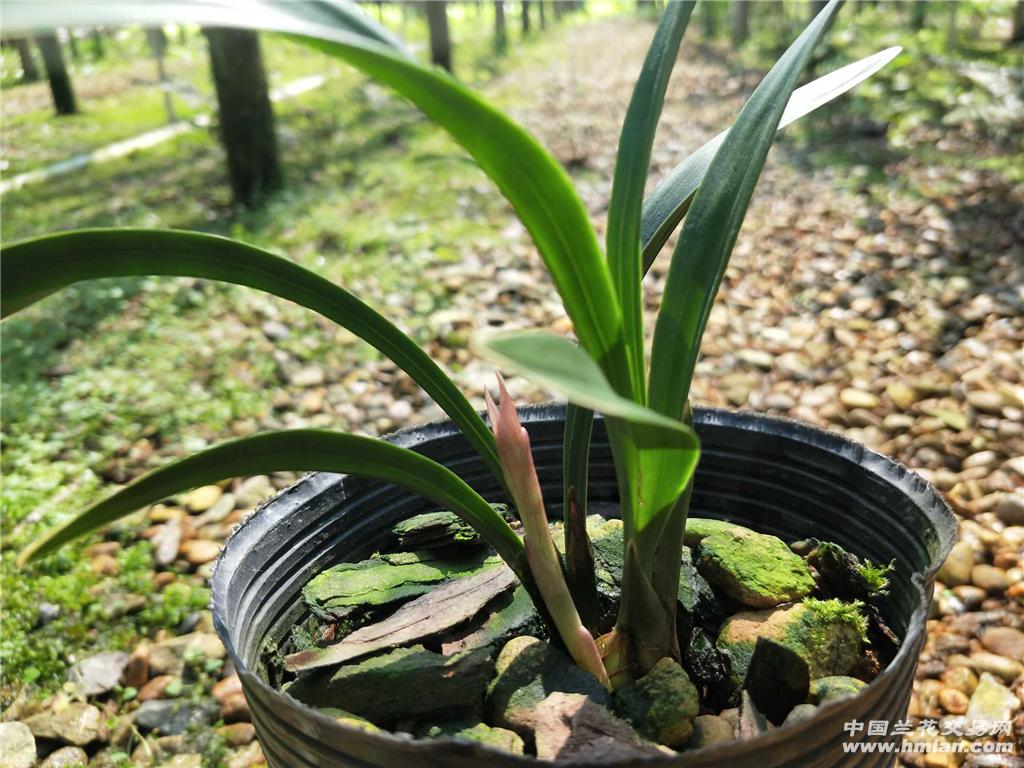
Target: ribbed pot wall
771,475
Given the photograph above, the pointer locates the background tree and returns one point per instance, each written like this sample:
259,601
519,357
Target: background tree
1017,36
96,36
951,28
440,39
157,40
500,27
245,114
29,69
740,21
708,12
540,13
57,73
918,14
525,4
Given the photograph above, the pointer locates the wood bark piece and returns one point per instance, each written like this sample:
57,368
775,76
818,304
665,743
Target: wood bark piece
437,611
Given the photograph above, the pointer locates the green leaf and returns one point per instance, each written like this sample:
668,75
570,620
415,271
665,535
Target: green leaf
668,204
528,176
714,221
579,424
631,168
28,16
559,364
35,268
298,450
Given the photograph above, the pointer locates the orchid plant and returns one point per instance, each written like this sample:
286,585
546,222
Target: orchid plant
642,394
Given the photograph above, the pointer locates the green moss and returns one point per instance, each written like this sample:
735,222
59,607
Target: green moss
834,687
699,528
875,576
836,612
753,568
827,634
661,705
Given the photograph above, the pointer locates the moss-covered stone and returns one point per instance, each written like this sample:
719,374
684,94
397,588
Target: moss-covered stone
699,528
606,543
606,540
845,575
696,598
471,729
384,579
753,569
407,682
661,705
526,672
827,634
834,687
709,730
347,718
435,530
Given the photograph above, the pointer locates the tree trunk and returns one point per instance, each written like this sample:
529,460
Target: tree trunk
540,9
1017,35
951,29
500,28
740,21
918,14
97,44
526,16
440,41
57,72
558,8
158,46
245,114
709,21
29,70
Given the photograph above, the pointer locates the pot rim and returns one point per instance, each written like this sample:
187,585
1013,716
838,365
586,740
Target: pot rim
909,482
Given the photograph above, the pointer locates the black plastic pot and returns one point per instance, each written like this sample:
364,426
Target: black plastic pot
775,476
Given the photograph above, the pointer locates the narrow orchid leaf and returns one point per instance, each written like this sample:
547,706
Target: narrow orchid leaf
714,221
670,200
299,450
579,424
30,16
33,269
631,168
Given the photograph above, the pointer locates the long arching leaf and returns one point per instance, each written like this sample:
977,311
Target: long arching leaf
714,221
270,15
670,200
32,269
299,450
631,168
528,176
